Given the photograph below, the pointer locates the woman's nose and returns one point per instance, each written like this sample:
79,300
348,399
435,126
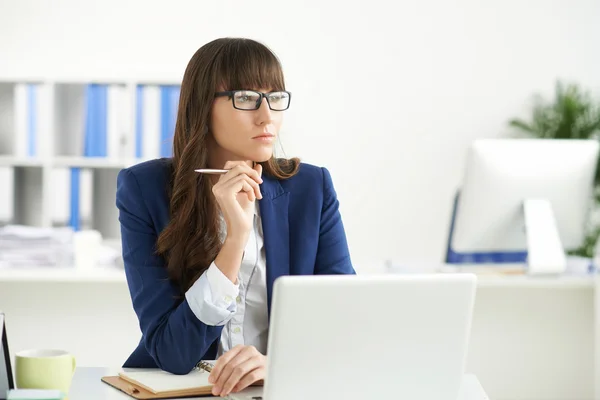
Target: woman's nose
264,111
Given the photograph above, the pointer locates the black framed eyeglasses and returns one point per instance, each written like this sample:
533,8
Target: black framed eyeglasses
249,100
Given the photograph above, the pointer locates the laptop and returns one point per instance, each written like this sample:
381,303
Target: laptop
6,375
367,337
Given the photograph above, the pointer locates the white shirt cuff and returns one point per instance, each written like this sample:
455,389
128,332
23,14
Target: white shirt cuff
212,298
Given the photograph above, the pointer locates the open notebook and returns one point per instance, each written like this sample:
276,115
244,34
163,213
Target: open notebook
154,383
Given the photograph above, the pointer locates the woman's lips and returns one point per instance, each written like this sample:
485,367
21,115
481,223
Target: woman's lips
266,137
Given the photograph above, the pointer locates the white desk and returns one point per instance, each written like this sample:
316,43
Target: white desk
88,386
536,333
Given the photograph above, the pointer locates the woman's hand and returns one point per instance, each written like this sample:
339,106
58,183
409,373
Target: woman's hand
235,193
237,369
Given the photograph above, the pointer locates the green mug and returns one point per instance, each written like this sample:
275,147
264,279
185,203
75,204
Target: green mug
44,369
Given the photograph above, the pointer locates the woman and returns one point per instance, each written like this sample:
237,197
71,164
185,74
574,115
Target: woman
202,251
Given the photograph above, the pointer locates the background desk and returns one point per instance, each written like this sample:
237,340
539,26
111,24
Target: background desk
532,338
88,386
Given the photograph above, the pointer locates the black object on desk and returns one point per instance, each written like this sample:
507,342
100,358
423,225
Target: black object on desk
6,376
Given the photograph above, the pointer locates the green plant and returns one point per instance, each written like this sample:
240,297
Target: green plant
572,114
589,244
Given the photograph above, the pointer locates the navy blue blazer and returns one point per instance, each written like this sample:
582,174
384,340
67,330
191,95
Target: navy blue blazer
303,235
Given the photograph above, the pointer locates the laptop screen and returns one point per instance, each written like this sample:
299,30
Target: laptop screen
6,378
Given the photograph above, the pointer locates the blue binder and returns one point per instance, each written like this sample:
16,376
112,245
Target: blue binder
168,117
139,120
31,120
169,103
95,142
74,220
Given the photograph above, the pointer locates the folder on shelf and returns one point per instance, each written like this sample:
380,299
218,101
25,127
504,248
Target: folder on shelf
150,122
116,119
61,196
139,120
95,121
7,180
168,116
74,201
72,197
156,114
26,110
106,120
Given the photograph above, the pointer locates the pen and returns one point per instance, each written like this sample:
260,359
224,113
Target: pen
212,171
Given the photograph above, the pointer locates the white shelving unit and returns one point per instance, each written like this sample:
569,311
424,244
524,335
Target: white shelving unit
38,155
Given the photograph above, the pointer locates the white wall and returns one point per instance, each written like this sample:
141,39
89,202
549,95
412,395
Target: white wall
386,94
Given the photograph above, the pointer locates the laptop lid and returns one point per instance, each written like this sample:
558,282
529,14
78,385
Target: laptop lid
357,337
6,376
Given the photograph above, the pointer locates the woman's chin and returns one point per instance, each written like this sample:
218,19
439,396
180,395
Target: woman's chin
261,156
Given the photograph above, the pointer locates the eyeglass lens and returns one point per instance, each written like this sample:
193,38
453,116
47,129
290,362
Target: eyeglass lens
250,100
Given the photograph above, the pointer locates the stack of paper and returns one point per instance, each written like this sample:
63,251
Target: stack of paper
35,247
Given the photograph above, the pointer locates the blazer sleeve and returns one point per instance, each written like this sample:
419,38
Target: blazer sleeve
333,256
173,336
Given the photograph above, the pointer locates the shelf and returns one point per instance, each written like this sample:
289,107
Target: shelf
11,161
67,161
62,275
50,127
83,80
90,162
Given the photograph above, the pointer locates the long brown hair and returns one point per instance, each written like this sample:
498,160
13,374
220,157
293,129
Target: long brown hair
190,242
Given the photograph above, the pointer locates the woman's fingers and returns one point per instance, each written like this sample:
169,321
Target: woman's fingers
239,167
240,372
259,169
235,368
256,375
244,183
222,362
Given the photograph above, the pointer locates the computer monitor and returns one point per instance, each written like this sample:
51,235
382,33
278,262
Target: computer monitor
525,196
6,376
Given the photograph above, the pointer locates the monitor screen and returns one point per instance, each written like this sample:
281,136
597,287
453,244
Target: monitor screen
6,378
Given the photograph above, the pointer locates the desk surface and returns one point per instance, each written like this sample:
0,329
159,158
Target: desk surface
88,386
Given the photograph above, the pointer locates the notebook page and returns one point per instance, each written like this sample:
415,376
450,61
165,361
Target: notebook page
158,381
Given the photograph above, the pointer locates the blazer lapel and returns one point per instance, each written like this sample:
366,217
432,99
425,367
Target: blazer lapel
275,224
